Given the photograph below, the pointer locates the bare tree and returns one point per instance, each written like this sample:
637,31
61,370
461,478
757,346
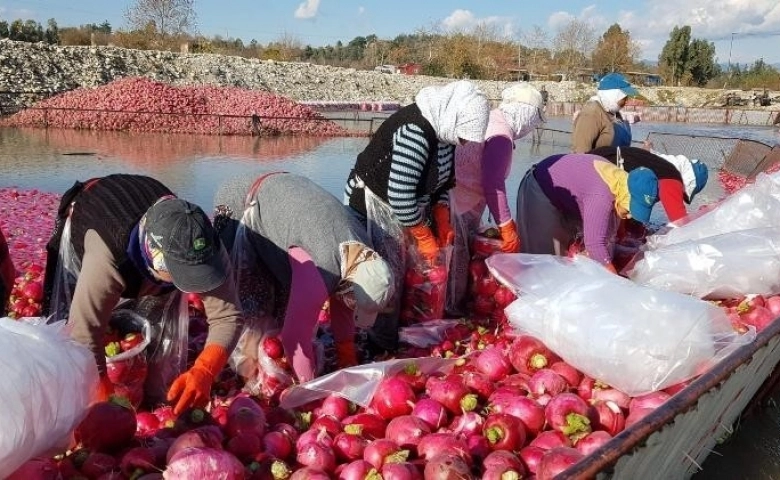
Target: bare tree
169,17
538,43
573,44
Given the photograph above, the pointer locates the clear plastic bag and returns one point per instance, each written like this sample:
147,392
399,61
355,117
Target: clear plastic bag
167,353
425,287
634,338
426,334
388,240
128,370
359,383
724,266
755,206
48,383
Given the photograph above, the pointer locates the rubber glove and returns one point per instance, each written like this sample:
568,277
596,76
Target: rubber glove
511,242
426,242
441,215
105,389
193,387
346,355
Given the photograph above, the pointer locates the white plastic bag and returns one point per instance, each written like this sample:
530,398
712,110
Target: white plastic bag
359,383
718,267
48,383
754,206
634,338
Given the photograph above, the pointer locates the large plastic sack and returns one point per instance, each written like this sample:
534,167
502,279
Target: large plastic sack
636,339
167,352
755,206
718,267
425,287
359,383
48,383
128,370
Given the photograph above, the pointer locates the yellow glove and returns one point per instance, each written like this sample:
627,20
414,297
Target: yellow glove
193,387
511,242
441,215
426,242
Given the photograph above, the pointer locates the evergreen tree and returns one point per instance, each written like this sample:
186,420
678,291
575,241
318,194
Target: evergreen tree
675,54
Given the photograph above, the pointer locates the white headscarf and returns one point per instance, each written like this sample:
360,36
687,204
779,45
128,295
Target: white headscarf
609,99
456,110
521,118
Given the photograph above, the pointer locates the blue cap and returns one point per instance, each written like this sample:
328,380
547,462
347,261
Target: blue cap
616,81
643,187
701,174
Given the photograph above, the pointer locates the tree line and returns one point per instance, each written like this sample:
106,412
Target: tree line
573,51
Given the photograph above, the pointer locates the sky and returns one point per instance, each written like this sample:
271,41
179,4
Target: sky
742,30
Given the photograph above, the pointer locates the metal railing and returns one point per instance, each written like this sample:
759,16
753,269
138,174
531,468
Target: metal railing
742,157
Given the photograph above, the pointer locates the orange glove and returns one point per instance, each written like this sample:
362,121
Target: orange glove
193,387
105,389
426,242
511,242
441,215
346,356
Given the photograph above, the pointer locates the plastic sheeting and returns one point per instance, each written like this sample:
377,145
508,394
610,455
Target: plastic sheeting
645,341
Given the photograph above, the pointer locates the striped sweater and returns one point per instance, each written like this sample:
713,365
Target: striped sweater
420,171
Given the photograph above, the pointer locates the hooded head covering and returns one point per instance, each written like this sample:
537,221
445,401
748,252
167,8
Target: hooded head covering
522,105
456,110
373,289
643,187
612,89
694,173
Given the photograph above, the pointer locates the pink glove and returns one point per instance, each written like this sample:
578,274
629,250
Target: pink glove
307,295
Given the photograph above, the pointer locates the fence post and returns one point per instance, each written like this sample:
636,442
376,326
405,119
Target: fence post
219,122
45,118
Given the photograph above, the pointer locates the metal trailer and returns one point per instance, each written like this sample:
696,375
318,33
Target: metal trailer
673,441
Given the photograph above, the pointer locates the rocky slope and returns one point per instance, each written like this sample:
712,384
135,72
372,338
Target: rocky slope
45,69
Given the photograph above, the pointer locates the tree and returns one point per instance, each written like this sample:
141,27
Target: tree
615,51
701,62
674,56
537,41
4,32
169,17
52,33
573,44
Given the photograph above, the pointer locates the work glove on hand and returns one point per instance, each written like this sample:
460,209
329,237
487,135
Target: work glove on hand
193,387
346,355
426,242
511,242
441,215
105,389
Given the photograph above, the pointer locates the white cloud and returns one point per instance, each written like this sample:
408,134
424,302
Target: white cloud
713,20
361,10
307,9
465,20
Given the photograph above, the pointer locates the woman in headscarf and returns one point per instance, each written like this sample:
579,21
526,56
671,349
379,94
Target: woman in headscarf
679,177
599,123
481,171
286,226
400,183
564,195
